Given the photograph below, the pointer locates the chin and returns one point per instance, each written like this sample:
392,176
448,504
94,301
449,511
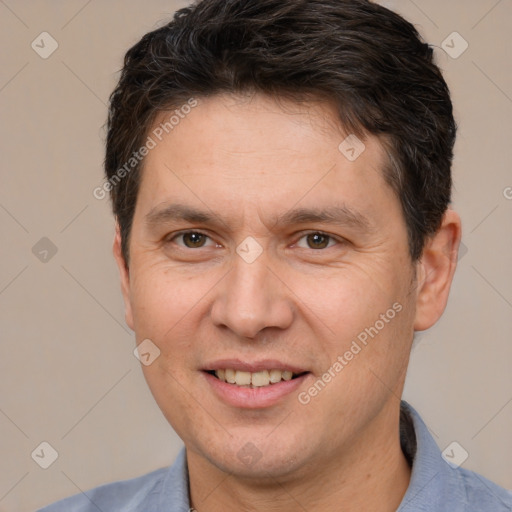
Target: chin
265,458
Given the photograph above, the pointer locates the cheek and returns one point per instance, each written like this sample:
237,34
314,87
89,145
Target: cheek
348,301
364,314
161,299
169,308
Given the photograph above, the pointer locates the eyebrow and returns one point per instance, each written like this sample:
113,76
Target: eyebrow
339,215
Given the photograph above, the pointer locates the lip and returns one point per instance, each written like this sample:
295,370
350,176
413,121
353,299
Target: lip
253,398
255,366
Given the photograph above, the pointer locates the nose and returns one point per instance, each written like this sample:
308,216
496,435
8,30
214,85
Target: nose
251,298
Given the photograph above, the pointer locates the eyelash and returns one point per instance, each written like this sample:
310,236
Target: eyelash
303,235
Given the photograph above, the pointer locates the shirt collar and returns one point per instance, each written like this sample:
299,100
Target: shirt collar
174,496
434,484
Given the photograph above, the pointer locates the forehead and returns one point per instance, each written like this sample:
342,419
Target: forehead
256,150
244,122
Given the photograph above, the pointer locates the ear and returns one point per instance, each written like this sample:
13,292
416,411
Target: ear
435,271
124,273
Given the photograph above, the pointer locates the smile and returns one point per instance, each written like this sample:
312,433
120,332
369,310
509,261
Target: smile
257,379
254,385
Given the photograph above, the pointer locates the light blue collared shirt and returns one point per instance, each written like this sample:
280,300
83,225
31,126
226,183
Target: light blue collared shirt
435,485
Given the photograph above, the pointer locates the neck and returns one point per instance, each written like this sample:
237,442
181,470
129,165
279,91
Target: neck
369,473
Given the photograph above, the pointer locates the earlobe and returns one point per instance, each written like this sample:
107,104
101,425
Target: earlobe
124,274
435,271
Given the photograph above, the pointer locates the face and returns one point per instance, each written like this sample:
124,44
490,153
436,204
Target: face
262,255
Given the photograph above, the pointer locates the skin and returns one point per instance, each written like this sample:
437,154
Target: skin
249,160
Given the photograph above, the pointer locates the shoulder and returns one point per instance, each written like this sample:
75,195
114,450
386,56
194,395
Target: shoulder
436,483
125,495
484,495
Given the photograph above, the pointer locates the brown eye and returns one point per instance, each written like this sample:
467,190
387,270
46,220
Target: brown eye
317,240
193,240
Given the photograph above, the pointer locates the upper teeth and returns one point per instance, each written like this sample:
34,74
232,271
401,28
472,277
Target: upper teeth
256,379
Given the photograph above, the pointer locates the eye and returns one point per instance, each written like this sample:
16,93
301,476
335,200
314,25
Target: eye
316,240
191,239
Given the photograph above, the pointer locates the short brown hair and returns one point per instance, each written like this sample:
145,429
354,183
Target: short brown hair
363,57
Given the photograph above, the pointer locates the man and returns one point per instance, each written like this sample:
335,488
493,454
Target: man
280,176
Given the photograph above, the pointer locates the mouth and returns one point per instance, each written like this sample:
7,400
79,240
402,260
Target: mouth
254,384
259,379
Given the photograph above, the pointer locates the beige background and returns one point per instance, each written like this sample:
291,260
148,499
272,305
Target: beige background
67,372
